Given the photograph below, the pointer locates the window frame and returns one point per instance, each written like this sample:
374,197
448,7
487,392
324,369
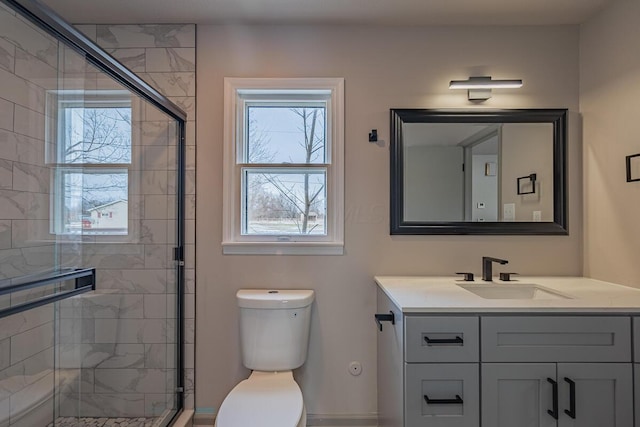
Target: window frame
58,102
240,92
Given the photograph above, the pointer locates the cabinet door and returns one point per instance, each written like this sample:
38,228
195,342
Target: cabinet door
442,395
636,389
519,394
603,394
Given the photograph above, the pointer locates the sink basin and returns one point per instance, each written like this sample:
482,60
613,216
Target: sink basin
515,291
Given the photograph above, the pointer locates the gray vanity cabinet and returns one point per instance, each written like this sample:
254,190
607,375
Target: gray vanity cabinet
508,370
522,394
517,390
428,370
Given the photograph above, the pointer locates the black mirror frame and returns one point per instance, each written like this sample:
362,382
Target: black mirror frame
558,117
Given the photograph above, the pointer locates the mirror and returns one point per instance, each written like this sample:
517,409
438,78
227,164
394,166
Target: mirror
478,172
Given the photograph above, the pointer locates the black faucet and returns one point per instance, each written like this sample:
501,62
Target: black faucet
487,270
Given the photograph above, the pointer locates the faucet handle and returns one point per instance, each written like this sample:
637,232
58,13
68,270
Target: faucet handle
468,277
506,277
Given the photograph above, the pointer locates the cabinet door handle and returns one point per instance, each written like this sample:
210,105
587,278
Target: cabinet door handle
572,399
457,401
436,341
554,387
385,318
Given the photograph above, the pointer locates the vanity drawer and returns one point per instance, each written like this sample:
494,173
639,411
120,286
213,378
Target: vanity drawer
441,339
556,339
440,394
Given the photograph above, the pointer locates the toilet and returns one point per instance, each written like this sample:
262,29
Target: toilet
274,337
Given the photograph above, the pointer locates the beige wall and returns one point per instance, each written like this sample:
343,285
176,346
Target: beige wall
383,68
609,102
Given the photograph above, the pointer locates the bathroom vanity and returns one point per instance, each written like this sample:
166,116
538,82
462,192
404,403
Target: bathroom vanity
556,351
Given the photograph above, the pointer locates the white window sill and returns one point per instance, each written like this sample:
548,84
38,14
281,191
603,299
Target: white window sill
282,248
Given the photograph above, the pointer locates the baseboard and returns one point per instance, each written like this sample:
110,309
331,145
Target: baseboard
185,419
203,419
362,420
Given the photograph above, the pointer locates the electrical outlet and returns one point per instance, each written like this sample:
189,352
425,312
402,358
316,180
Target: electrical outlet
509,212
537,216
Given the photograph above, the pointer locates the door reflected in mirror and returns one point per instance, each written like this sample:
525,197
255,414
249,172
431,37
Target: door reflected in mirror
485,172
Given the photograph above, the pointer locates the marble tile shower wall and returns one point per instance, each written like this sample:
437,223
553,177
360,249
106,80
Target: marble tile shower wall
125,340
28,68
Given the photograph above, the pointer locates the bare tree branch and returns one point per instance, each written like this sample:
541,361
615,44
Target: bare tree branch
300,199
97,136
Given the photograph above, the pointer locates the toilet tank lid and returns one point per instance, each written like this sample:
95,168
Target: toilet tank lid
274,298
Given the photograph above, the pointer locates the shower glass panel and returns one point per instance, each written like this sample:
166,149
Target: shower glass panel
91,176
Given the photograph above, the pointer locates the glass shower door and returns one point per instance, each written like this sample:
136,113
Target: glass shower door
90,176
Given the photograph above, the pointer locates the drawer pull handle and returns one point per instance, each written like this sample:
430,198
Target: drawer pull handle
385,318
572,398
456,401
436,341
554,412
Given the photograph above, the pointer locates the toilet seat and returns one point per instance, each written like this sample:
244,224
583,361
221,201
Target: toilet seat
265,399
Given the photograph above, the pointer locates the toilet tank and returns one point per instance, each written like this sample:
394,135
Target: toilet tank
274,328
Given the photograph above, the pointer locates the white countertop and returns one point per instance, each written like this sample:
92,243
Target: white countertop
442,295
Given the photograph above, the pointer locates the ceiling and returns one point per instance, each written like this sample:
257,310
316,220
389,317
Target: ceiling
363,12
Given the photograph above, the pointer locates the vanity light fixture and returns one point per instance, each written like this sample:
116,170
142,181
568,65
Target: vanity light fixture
479,88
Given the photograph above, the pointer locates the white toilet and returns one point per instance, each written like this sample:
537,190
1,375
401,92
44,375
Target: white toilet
274,336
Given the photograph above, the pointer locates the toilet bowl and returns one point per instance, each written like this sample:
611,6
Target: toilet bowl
274,337
265,399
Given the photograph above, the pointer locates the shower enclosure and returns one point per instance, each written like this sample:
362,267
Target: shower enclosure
91,233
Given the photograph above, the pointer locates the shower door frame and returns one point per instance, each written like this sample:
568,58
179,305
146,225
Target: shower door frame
47,19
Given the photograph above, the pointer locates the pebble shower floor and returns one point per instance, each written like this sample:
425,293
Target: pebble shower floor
104,422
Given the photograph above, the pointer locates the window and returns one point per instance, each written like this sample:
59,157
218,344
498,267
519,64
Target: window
283,166
91,156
